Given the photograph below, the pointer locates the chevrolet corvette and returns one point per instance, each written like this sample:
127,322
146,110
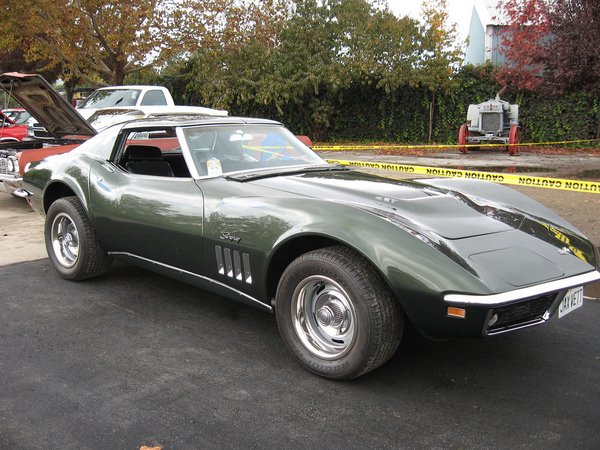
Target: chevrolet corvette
242,208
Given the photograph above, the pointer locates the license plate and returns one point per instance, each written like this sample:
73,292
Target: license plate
573,300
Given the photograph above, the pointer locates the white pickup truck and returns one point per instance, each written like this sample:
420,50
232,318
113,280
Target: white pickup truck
108,97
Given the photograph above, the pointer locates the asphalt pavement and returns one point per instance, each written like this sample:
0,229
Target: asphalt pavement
134,359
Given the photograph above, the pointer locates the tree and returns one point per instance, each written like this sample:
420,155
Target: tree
14,61
522,39
440,57
101,41
553,45
572,60
326,47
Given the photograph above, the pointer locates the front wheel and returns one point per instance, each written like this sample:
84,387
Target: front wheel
336,314
71,242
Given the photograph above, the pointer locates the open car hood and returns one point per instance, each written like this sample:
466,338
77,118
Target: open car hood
44,103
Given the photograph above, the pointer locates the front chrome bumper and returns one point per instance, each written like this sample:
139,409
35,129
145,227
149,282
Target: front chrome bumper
503,298
520,308
10,184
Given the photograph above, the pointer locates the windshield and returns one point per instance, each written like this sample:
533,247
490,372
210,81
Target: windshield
18,116
105,98
223,149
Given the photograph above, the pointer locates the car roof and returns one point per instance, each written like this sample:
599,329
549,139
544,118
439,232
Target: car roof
162,109
130,86
158,122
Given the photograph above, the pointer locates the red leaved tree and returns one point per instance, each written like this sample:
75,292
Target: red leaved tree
523,39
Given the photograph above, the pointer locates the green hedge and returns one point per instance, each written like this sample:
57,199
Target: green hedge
368,114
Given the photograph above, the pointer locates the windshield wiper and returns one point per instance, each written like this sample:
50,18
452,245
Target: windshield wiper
278,171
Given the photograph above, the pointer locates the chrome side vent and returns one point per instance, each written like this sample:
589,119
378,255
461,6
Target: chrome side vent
233,264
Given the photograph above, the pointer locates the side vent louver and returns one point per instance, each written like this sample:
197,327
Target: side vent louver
233,264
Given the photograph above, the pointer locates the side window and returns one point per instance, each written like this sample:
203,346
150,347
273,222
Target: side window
154,97
155,153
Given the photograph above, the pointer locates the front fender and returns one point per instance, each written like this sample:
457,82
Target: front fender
43,181
408,260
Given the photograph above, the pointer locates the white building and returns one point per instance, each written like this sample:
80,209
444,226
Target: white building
484,37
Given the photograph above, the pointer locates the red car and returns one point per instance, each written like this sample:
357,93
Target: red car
11,130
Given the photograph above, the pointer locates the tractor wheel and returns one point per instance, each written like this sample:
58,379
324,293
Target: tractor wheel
463,133
513,140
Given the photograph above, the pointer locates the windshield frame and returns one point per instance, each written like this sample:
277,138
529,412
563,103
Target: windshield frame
307,156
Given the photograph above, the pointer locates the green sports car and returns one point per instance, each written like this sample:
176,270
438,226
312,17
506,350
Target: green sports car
242,208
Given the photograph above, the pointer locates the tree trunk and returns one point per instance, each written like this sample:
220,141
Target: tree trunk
431,111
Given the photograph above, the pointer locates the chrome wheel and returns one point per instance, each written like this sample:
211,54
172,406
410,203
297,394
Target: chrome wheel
71,241
65,240
336,314
323,317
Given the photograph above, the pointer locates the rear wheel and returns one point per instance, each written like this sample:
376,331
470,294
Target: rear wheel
513,140
336,314
71,242
463,133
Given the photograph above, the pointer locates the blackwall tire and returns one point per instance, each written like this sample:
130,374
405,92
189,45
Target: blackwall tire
71,242
336,314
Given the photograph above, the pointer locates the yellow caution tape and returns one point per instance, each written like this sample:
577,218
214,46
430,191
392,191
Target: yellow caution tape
436,146
521,180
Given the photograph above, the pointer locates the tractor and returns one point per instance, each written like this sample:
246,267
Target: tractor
491,122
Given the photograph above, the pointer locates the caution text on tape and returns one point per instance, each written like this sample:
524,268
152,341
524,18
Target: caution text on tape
522,180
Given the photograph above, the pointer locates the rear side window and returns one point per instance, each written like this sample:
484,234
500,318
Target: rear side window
154,97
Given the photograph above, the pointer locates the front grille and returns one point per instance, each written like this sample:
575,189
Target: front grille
520,314
41,133
491,122
3,166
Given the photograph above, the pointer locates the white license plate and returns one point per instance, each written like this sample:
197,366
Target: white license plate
573,300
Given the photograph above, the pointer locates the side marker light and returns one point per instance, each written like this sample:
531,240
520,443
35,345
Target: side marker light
457,312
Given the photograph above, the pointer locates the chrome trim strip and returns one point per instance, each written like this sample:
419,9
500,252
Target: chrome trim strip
247,271
228,262
220,263
517,327
521,294
22,193
202,277
237,265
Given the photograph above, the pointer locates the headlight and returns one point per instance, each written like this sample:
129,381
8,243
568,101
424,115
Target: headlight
12,165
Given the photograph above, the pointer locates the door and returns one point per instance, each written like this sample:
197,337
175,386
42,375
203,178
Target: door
154,217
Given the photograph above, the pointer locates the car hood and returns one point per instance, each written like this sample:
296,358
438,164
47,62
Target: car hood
44,103
448,217
426,207
452,212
